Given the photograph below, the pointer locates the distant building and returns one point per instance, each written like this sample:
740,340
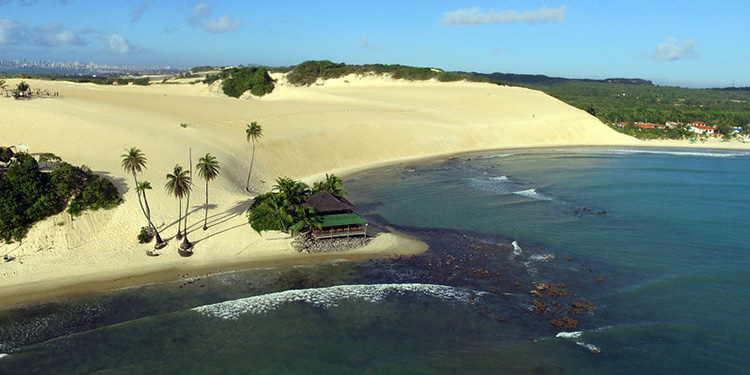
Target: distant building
699,127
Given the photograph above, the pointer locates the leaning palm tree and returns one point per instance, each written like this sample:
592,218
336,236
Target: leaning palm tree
254,132
178,184
133,162
142,187
208,169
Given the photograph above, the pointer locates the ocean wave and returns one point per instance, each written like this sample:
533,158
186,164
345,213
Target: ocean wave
532,193
3,355
495,184
516,248
494,156
676,152
330,297
542,257
575,336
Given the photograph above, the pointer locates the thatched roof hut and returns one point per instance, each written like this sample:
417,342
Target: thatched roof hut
325,203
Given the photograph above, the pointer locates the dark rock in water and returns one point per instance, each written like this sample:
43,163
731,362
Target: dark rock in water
580,306
539,306
565,323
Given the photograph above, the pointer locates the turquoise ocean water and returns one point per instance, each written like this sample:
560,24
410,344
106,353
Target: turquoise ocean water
645,250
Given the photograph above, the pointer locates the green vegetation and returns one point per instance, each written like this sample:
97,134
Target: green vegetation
253,133
140,81
204,68
283,207
5,154
636,100
134,162
239,80
28,195
208,169
309,72
179,185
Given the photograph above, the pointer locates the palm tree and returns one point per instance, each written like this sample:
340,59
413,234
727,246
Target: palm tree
23,87
134,161
331,184
275,203
293,192
142,187
254,132
208,169
178,184
306,219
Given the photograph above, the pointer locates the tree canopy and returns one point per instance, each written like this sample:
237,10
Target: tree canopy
27,195
283,206
253,79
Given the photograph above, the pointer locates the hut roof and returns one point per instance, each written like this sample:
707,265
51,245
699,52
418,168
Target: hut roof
324,202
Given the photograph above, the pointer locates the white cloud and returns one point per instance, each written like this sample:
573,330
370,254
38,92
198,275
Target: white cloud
221,25
673,49
137,13
200,18
55,34
50,35
118,44
9,31
202,10
474,16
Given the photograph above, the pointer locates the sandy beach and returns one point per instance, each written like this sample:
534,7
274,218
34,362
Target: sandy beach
340,126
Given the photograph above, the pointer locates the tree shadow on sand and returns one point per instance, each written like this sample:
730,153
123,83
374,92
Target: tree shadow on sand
119,182
238,209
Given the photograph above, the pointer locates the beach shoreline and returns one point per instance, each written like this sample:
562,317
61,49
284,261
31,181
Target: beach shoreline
346,126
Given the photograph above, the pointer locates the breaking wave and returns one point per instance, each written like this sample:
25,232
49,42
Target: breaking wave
677,152
533,194
576,337
496,184
330,297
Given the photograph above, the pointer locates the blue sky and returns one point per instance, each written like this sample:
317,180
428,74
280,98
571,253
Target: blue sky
685,43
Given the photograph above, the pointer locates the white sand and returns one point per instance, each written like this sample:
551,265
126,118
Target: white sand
341,126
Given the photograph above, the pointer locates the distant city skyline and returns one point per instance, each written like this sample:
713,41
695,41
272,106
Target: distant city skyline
690,43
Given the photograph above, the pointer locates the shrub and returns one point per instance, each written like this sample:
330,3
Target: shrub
145,235
238,80
5,154
27,195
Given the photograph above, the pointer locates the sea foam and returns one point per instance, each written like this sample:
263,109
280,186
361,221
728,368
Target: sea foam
576,337
532,193
330,297
700,153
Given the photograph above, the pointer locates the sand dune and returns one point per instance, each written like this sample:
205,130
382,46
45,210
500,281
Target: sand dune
340,126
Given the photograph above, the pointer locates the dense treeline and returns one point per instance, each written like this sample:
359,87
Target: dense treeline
238,80
309,72
635,100
28,195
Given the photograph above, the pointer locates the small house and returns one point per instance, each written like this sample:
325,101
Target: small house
337,216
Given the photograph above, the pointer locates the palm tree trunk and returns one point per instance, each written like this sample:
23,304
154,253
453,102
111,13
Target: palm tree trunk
159,242
205,218
179,221
140,203
252,160
185,242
